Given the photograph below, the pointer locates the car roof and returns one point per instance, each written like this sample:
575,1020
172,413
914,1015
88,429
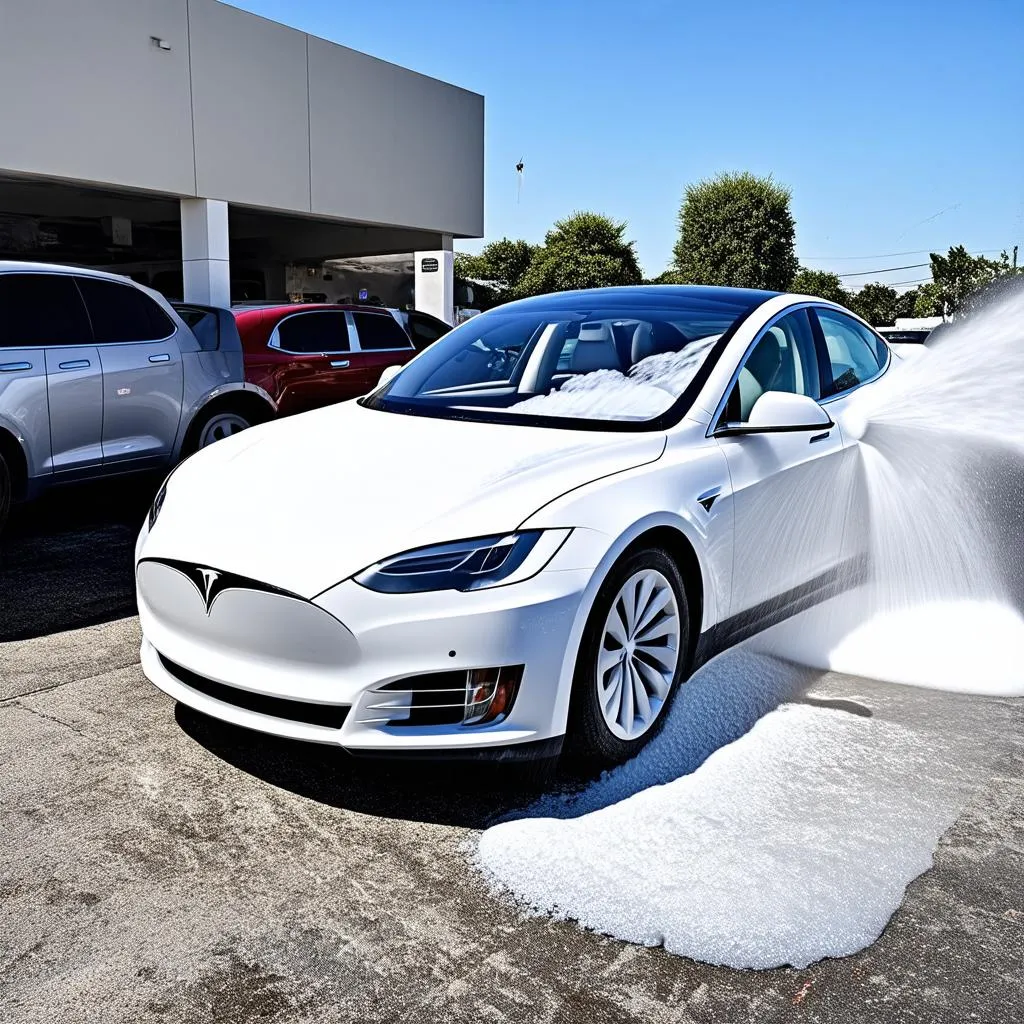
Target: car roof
26,267
652,295
280,308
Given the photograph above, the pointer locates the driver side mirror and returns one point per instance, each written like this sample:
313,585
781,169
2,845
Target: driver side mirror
389,373
777,412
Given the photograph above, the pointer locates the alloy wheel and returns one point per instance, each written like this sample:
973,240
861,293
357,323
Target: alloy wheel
639,654
220,426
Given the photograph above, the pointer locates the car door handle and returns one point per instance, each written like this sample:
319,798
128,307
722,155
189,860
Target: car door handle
339,363
820,437
14,367
163,357
75,364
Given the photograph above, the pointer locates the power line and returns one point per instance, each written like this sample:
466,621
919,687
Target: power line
884,270
892,255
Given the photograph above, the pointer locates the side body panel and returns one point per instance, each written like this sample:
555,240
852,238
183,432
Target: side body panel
74,384
24,405
142,397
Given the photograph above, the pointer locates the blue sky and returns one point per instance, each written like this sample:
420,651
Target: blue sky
898,126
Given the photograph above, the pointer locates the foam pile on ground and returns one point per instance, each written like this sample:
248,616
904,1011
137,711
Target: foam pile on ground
785,846
718,705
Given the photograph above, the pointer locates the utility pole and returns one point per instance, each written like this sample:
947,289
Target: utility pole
1015,259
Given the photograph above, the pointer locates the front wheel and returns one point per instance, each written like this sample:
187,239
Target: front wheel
633,656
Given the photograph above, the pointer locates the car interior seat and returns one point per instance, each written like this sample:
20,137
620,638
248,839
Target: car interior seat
652,340
595,350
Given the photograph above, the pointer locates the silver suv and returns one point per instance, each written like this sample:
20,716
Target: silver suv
101,376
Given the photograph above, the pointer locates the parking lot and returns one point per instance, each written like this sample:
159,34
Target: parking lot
159,866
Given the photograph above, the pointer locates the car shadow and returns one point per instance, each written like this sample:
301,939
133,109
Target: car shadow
467,794
66,559
717,706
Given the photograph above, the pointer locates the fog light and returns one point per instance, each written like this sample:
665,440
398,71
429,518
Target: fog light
490,694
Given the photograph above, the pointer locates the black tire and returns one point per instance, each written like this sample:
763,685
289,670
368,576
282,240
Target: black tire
5,492
589,738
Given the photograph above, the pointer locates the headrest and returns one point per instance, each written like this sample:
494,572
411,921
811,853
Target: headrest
643,342
594,332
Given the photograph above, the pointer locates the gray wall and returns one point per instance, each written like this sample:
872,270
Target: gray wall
239,108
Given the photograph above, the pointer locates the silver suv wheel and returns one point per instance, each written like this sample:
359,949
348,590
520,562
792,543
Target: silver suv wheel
221,425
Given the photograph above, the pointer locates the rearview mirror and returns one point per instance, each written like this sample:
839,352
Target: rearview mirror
777,412
389,373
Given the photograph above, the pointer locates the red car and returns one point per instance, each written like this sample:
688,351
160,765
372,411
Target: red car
309,355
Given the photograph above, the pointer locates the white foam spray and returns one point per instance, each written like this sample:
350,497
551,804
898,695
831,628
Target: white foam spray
756,830
941,511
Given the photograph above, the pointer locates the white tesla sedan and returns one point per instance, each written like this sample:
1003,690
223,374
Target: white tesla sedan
533,531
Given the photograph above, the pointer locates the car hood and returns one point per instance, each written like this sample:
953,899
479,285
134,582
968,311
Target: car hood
305,502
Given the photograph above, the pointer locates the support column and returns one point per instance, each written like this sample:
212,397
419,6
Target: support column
204,251
435,281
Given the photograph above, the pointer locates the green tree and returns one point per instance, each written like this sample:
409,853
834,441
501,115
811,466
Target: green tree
586,250
906,302
822,284
876,303
958,277
502,263
928,301
737,229
669,276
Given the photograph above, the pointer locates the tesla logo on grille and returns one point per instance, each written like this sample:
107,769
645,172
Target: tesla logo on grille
211,583
209,579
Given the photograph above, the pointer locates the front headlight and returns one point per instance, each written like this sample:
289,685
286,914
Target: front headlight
466,564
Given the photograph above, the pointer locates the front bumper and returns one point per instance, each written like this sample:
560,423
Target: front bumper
336,651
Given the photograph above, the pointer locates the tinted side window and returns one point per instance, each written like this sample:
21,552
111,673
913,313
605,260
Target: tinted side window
379,330
424,329
855,354
314,332
784,359
204,325
122,313
41,309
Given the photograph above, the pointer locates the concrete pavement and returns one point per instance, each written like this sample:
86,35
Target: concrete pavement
158,866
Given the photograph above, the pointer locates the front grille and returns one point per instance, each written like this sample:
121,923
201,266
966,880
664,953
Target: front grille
331,716
436,698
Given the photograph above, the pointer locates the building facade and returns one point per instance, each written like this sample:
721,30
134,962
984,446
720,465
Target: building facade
209,152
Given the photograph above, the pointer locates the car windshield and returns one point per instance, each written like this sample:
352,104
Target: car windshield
529,363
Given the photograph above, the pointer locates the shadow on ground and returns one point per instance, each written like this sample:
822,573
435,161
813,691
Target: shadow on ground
66,560
468,794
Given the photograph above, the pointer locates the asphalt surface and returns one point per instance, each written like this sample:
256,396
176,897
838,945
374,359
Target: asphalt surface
159,866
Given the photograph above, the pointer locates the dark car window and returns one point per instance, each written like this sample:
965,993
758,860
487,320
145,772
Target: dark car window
121,313
424,330
314,332
855,353
41,309
379,331
204,324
